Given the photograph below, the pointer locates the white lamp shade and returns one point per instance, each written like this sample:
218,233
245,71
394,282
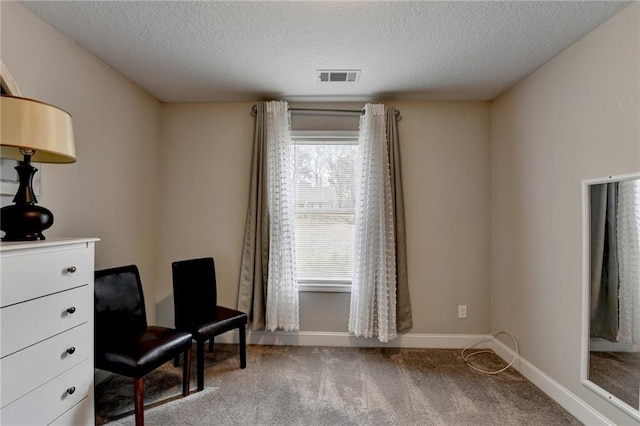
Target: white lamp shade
34,125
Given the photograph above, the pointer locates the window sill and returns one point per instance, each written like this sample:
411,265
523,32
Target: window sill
317,287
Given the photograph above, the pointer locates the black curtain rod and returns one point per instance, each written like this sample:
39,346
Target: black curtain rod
341,111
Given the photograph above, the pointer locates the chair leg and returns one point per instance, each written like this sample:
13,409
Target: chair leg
200,364
211,344
176,361
243,346
138,400
186,371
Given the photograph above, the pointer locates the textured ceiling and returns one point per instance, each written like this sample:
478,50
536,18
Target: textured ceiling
185,51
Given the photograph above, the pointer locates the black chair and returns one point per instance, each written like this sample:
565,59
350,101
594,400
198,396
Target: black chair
197,311
124,343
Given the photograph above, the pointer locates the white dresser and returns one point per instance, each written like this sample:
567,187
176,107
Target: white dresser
46,332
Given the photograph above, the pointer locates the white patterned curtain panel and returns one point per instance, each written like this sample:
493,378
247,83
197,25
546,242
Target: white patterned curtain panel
282,286
629,260
373,293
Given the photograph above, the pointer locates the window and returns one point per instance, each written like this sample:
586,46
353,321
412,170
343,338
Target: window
324,208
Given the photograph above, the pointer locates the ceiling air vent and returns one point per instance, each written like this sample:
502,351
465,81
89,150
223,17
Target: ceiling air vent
338,76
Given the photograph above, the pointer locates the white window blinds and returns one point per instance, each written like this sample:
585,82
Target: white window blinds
324,206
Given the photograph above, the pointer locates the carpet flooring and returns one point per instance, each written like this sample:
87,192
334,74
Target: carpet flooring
302,385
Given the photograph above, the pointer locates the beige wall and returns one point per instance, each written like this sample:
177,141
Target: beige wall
206,154
111,192
446,169
204,176
575,118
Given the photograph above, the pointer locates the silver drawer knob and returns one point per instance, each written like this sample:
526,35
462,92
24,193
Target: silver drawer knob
71,310
71,390
71,269
71,350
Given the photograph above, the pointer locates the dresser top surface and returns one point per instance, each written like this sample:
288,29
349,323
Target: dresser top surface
52,242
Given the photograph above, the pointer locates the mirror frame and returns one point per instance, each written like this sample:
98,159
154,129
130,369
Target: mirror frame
586,294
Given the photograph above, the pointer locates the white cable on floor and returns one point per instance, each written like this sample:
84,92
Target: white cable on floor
484,339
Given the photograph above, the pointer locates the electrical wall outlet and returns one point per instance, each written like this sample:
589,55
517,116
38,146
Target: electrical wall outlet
462,311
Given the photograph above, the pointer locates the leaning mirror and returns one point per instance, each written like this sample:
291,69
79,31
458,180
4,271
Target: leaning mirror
611,353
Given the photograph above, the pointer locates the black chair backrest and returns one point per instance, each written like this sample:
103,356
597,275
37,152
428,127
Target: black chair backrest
194,292
119,304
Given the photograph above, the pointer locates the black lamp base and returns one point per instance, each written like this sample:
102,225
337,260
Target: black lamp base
24,220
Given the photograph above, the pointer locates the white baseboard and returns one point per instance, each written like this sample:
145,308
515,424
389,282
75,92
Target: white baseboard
563,396
344,339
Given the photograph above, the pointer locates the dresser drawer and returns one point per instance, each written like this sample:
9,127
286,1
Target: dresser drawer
27,323
45,271
50,400
81,414
27,369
